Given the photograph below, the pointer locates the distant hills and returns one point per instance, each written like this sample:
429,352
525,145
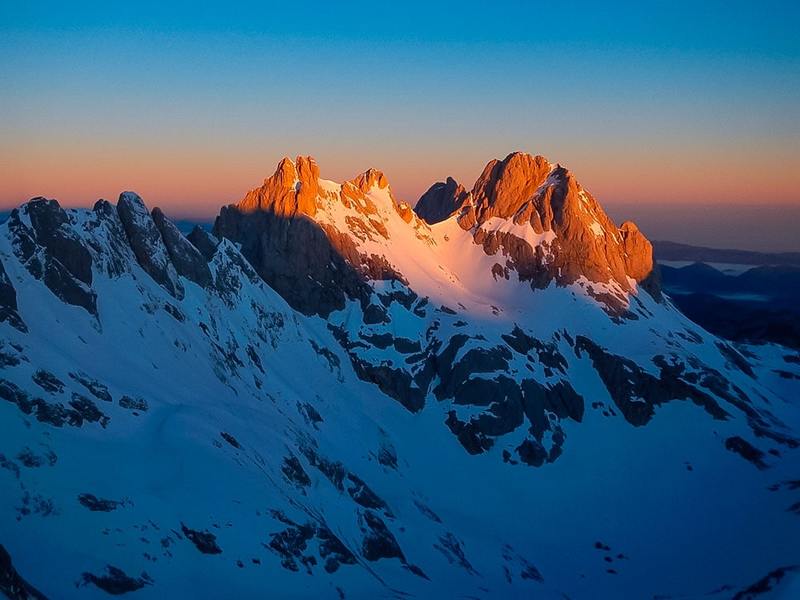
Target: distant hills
664,250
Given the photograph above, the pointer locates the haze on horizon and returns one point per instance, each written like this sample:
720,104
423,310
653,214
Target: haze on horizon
683,112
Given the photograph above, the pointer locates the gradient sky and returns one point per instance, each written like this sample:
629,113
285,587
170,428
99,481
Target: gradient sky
668,103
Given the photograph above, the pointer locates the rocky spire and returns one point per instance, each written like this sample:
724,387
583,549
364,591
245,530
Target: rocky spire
292,189
146,242
370,178
523,189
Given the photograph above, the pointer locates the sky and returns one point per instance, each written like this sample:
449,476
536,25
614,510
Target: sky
670,105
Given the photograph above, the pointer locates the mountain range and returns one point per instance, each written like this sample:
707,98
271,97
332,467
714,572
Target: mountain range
334,394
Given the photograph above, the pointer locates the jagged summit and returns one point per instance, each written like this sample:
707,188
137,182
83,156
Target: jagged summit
291,190
506,185
531,217
526,197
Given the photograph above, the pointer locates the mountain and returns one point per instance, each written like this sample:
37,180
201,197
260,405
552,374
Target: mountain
334,395
759,305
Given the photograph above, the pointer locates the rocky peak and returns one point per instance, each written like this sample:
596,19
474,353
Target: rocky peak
505,185
204,241
146,242
44,242
370,178
186,258
440,201
546,226
292,189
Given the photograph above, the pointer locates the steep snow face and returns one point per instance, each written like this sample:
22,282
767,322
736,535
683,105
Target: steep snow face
445,432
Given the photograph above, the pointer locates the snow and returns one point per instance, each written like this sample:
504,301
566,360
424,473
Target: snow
523,231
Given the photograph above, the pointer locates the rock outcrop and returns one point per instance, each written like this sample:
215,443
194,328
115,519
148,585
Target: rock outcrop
187,259
442,200
291,190
8,301
51,252
204,241
48,220
506,186
306,237
147,244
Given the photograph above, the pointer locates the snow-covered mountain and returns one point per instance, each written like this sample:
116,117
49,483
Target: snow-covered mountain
336,395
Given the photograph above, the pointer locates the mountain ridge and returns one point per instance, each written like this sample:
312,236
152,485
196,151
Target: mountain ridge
523,208
329,396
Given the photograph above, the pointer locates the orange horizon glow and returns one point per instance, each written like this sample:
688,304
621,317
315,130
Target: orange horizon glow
197,184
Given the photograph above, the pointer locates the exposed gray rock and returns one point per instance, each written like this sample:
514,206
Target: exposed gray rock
453,551
67,287
130,403
636,392
746,450
52,253
48,382
292,546
95,504
97,389
116,582
378,540
50,223
56,414
187,259
8,295
114,256
8,301
204,541
364,495
204,241
146,242
88,410
294,472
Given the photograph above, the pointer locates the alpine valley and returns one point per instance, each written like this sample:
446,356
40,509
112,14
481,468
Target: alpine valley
334,394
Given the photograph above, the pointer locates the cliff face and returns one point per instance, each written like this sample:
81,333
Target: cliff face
290,191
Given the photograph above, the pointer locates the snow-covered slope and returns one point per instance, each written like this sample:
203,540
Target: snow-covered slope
339,399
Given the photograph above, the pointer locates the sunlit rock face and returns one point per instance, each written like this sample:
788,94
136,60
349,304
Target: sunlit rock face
533,216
